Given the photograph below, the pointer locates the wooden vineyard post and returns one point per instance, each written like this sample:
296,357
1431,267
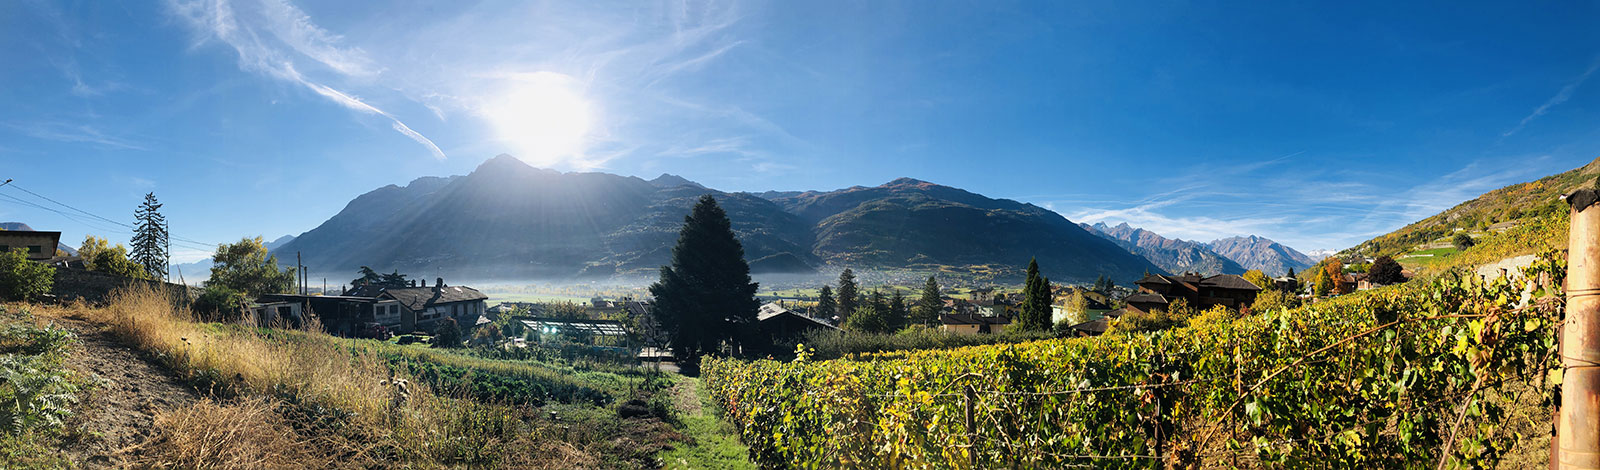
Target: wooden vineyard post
972,427
1577,438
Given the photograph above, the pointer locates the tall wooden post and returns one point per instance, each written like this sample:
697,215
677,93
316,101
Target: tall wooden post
1578,428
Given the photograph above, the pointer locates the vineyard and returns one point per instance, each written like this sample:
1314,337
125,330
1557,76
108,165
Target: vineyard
1450,372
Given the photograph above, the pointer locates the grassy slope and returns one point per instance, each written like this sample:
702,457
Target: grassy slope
1517,202
307,400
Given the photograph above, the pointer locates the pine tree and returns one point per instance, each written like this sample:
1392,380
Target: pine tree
930,304
848,297
897,310
150,243
878,301
705,299
368,277
1035,314
826,307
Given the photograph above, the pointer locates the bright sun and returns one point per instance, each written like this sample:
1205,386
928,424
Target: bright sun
542,116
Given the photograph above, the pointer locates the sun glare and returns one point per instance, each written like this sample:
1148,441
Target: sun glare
543,117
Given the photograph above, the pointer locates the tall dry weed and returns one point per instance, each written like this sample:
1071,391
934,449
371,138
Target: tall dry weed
345,401
246,435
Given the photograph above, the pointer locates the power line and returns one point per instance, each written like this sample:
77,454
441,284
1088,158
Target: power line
95,224
200,245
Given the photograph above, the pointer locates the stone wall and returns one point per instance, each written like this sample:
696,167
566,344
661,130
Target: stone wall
94,287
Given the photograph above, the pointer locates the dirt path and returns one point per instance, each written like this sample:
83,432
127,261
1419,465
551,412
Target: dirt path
121,413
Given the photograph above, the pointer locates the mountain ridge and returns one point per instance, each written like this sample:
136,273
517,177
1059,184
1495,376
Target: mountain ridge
506,219
1255,252
1172,254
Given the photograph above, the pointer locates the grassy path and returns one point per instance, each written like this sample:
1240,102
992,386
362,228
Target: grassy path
713,444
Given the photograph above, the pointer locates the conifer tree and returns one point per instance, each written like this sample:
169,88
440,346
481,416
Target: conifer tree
705,299
878,301
826,307
897,310
930,304
848,297
1035,315
150,244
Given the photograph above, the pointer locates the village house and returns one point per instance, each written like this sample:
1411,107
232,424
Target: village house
360,310
973,324
41,246
1158,291
778,324
421,308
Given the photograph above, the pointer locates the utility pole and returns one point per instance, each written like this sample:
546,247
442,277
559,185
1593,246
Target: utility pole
1577,440
300,273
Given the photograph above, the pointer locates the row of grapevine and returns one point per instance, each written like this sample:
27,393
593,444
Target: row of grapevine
1402,376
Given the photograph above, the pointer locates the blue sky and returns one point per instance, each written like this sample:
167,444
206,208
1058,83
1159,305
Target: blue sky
1316,124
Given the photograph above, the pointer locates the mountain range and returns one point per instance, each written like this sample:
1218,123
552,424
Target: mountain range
507,220
1173,255
1254,252
1233,255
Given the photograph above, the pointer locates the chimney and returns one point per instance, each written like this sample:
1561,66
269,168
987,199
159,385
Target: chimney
413,283
440,283
424,282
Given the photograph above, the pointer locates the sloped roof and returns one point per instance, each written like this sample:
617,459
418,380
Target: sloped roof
1095,326
1146,298
972,319
1153,279
773,310
418,298
1229,281
594,327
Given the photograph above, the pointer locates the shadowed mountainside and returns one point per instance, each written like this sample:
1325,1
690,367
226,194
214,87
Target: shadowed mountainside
509,220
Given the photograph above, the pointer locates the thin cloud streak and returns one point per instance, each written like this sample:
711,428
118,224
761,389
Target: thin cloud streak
1560,97
1307,210
216,19
81,133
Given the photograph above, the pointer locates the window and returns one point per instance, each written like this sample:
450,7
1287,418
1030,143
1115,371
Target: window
394,309
35,249
5,248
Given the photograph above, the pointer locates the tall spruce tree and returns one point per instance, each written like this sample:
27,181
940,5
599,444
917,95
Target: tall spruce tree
826,307
1035,315
897,310
150,244
849,298
930,303
705,299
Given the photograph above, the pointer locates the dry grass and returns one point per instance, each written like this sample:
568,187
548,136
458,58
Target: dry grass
246,435
304,401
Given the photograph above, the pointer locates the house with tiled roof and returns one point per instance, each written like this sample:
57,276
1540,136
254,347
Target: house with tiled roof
1158,291
420,308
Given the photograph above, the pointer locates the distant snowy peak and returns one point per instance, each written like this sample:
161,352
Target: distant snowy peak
1319,255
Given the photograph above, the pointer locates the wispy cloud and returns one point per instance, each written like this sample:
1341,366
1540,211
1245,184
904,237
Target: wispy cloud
273,35
67,132
1318,209
1560,97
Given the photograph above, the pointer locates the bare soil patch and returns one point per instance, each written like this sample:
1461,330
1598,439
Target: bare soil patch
120,414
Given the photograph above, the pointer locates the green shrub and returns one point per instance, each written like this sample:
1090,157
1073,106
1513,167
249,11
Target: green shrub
831,344
22,279
219,303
